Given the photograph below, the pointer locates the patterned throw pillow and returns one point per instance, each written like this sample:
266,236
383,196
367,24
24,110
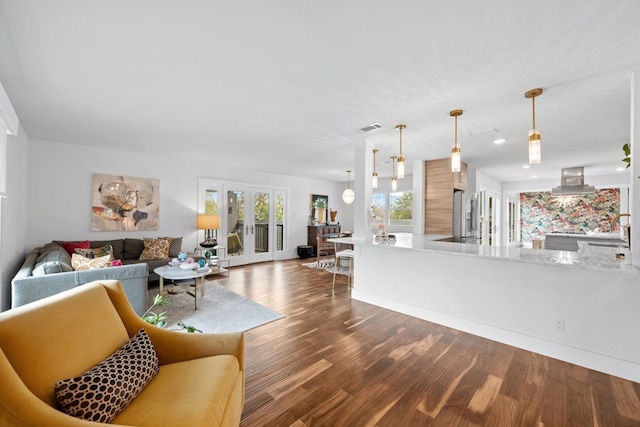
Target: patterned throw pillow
155,249
96,252
102,251
70,247
87,253
78,262
102,392
175,246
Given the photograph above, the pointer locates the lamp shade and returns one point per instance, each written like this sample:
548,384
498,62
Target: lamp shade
208,222
534,147
455,159
348,196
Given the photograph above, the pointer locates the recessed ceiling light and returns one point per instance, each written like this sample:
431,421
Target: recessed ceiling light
534,176
526,166
499,141
620,169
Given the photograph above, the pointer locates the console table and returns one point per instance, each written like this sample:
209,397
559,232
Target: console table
315,231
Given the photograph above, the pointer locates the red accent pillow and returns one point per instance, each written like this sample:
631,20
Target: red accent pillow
71,246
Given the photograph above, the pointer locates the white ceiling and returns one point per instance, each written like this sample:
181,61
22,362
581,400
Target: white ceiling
284,86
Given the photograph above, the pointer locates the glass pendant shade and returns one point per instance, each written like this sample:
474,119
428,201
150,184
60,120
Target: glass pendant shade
348,196
394,177
400,170
374,175
535,154
535,148
455,151
455,159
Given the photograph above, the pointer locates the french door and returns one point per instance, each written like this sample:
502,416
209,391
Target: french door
252,219
490,220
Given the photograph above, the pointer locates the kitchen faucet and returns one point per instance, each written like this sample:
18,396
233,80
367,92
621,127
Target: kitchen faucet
616,218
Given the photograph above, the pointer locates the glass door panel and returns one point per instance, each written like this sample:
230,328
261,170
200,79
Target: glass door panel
211,202
236,227
261,225
280,211
252,220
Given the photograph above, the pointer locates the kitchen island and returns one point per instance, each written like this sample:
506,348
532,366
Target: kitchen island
580,308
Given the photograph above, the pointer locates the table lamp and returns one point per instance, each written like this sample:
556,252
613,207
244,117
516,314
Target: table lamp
210,224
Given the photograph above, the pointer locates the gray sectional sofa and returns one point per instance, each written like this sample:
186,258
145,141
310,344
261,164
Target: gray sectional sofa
46,271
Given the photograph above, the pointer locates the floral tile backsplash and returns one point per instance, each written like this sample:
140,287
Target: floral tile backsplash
542,213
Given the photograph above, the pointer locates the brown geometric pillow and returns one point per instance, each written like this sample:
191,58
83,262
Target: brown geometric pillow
102,392
175,247
155,249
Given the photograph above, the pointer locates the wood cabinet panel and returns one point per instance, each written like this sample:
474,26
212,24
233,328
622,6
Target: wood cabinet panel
440,183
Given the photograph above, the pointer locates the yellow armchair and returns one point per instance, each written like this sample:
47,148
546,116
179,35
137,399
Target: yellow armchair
201,377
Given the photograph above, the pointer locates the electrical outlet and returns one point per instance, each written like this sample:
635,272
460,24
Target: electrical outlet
558,324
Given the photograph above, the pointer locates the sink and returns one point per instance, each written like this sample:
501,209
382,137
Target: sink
604,235
622,244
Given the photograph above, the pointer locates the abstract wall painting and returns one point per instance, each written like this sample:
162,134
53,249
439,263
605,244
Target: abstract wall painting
124,203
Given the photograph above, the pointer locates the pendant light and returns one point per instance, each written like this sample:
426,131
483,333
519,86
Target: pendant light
394,178
348,195
374,175
535,155
455,151
400,157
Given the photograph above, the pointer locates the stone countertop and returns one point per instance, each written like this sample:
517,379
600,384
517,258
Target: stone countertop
601,259
589,235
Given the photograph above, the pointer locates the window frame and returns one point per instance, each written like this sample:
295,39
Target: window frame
387,209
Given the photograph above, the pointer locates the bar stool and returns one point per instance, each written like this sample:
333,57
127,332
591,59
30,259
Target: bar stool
342,255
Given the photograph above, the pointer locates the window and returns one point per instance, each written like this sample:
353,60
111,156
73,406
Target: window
393,208
211,202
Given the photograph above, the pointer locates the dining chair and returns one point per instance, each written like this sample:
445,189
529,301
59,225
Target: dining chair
342,255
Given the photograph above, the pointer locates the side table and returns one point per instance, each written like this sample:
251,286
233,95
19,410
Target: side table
219,260
177,273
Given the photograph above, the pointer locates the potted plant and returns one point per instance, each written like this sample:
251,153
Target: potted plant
320,205
160,319
627,154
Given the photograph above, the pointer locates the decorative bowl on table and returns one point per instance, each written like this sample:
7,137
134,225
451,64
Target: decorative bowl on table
189,265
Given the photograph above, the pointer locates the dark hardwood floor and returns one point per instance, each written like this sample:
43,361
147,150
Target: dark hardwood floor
334,361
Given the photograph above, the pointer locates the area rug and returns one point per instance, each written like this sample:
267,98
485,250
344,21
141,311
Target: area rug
322,263
329,265
219,311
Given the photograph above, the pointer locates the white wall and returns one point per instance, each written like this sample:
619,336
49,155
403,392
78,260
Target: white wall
59,190
14,214
49,196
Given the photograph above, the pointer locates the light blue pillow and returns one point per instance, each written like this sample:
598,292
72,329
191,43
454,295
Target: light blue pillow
51,267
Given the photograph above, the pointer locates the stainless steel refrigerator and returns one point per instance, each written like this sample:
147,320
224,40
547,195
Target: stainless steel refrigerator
465,217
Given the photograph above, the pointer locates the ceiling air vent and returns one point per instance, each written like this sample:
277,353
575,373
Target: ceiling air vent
371,127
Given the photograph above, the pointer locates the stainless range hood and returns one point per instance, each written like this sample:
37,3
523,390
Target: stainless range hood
572,183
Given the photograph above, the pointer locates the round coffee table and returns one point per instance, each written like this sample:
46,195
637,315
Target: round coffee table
177,273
